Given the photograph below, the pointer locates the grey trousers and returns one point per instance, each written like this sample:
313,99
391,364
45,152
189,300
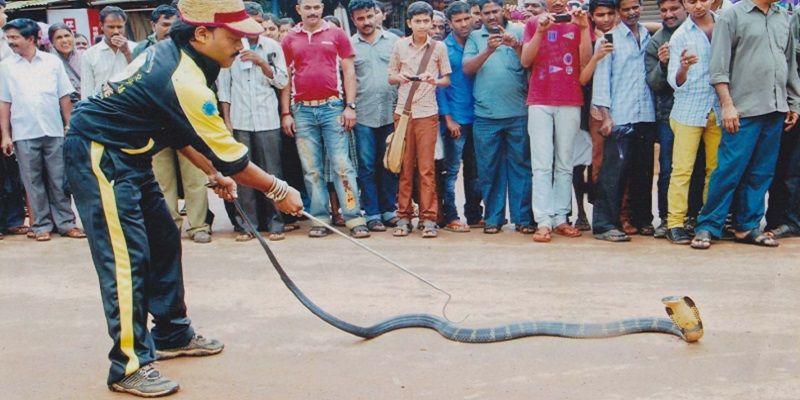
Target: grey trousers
41,167
265,152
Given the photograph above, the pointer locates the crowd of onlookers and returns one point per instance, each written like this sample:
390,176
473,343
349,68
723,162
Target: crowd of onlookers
529,103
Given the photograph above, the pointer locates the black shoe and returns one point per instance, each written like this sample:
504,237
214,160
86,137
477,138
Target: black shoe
198,346
647,230
661,231
689,225
145,382
678,236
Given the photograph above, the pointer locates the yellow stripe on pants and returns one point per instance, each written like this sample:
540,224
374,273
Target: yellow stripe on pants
122,261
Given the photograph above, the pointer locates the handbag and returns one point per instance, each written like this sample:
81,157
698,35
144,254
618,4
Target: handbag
396,141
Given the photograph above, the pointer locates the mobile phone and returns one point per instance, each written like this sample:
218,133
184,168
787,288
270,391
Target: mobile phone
493,30
609,37
413,78
561,18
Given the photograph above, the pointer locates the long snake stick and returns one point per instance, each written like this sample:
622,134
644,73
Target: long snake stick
684,320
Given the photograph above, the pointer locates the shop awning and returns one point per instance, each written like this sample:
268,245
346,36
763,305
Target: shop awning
18,5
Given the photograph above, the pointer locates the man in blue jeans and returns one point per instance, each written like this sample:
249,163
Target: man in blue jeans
502,145
314,51
754,71
375,101
457,110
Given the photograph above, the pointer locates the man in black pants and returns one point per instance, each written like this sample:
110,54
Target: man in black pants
163,98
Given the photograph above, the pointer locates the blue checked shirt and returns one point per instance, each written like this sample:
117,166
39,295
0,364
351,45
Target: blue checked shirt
619,79
696,97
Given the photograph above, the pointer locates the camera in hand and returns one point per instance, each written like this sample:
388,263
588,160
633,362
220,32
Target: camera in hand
493,30
609,37
561,18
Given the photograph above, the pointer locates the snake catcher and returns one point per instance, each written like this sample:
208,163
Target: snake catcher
683,322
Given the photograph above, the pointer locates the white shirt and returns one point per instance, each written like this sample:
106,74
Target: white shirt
34,89
98,65
5,51
254,105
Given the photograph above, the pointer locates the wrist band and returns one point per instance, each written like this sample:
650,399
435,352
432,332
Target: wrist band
279,190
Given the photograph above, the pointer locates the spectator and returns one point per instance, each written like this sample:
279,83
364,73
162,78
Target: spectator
64,47
375,101
284,26
81,42
108,57
33,88
5,51
475,10
380,14
318,117
502,145
423,125
161,20
656,59
625,102
271,29
457,110
533,8
250,110
438,5
439,27
694,116
754,71
555,52
783,212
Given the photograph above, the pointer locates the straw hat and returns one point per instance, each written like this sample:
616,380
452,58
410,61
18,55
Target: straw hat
229,14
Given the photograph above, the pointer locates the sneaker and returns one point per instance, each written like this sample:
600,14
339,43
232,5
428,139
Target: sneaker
678,236
202,237
198,346
689,225
145,382
661,231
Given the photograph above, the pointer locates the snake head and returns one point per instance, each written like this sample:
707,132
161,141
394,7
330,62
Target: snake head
685,316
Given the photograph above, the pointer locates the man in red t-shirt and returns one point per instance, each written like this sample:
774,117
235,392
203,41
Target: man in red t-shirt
313,110
557,45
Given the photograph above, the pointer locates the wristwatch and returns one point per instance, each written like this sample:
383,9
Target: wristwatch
351,106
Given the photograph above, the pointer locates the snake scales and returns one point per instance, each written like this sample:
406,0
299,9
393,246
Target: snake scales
684,320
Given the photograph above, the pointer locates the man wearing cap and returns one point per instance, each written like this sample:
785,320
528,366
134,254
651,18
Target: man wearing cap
312,110
163,99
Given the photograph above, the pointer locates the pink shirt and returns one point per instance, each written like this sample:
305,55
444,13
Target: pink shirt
405,60
556,69
314,60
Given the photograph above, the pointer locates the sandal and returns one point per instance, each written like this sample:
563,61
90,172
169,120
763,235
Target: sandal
629,229
582,224
318,232
758,238
359,232
525,229
456,226
75,233
290,227
702,240
376,226
42,236
244,237
613,235
782,231
491,229
567,230
479,224
391,222
276,236
429,230
647,230
18,230
542,235
402,228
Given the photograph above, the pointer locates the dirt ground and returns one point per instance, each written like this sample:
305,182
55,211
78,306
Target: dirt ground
54,341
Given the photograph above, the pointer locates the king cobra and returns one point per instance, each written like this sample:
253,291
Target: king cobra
683,322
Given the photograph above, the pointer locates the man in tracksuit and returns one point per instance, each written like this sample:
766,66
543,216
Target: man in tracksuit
163,99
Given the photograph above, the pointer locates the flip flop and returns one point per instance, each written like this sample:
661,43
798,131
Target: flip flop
758,238
613,235
542,235
456,226
701,240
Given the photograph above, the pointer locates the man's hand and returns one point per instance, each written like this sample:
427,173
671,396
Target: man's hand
292,204
348,119
7,146
663,53
605,49
494,41
287,123
606,126
223,186
427,78
790,121
580,18
453,127
509,39
121,43
730,118
252,56
228,124
687,60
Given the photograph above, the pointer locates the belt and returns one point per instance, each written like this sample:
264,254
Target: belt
315,103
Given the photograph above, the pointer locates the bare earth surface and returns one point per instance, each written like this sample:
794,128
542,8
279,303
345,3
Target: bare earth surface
54,340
